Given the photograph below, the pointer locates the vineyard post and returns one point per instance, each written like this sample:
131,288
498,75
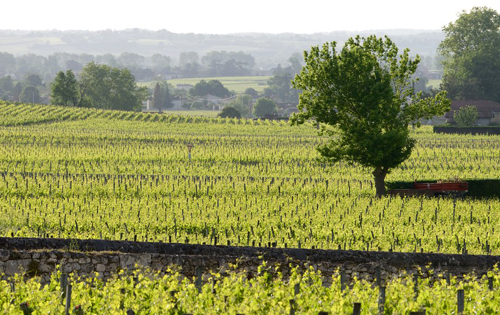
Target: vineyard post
460,301
342,280
189,146
356,310
198,278
377,276
381,300
296,289
292,307
490,283
415,284
63,284
68,299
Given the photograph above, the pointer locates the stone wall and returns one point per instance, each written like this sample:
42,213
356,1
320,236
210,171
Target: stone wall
85,257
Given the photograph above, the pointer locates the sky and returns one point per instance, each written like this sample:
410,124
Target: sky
230,16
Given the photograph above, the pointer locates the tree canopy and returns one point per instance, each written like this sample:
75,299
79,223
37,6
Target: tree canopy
161,96
363,95
243,104
471,51
229,112
111,88
212,87
466,116
64,89
265,107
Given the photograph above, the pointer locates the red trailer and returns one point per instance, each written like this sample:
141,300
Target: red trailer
455,188
444,188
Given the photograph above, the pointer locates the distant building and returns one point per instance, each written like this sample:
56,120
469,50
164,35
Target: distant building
488,111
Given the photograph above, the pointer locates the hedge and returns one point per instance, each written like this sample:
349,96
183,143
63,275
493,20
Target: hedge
476,130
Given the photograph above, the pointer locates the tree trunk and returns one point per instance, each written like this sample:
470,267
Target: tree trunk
379,175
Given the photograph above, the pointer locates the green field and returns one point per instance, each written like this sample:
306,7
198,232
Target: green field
237,84
434,83
95,174
86,173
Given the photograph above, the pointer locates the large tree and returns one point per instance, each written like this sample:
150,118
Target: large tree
280,86
265,107
212,87
471,51
111,88
364,98
64,89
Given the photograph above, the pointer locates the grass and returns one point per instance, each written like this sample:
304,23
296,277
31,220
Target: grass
237,84
434,83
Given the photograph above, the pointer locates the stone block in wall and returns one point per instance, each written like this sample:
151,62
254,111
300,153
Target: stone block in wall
144,260
16,266
100,268
129,261
4,255
46,268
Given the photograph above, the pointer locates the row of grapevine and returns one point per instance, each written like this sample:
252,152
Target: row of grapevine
246,184
146,292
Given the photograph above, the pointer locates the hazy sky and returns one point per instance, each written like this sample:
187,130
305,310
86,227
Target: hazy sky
226,16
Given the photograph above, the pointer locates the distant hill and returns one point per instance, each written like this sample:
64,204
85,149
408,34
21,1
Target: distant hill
267,49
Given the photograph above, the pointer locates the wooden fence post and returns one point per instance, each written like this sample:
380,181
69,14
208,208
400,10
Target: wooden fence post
292,307
198,278
63,282
68,299
296,289
460,301
342,280
377,276
356,310
415,285
381,300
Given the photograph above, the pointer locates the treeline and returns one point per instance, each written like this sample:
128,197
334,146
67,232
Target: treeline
266,50
188,64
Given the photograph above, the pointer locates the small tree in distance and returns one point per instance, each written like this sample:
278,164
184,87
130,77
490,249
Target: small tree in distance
363,95
229,112
158,97
466,116
64,89
167,99
265,107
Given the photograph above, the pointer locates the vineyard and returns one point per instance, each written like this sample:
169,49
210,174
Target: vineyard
86,173
145,292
